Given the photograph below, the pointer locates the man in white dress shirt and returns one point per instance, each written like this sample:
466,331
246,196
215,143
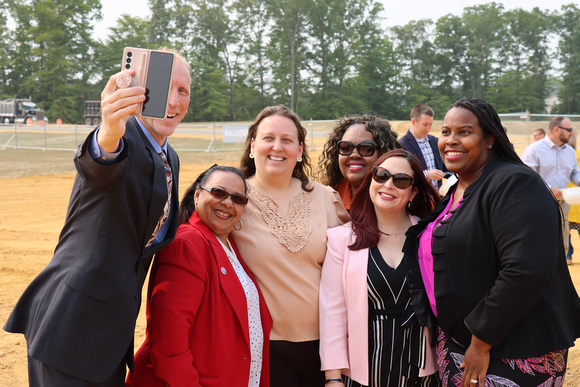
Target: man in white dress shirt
555,161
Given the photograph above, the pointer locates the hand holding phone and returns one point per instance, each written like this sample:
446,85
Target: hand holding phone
117,105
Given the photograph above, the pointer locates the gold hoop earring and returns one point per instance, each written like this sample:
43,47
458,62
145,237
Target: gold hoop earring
251,155
239,226
299,159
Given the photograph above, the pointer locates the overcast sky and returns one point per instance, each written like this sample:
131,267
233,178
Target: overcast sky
397,12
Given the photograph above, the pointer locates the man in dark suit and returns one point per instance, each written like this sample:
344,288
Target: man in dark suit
419,142
78,316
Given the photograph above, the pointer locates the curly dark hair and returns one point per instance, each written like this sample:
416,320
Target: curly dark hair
363,215
302,169
187,205
383,135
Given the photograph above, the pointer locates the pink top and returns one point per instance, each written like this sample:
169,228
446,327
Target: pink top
425,256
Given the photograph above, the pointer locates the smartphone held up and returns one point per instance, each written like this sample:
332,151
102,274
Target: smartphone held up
153,70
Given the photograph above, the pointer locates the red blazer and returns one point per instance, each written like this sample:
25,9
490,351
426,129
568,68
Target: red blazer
197,318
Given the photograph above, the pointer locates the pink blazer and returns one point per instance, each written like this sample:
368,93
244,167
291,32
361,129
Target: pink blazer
344,305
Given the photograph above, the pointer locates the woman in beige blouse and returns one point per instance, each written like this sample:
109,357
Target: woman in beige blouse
283,240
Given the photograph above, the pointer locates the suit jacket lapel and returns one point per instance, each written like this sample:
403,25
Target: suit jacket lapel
419,153
227,276
415,148
357,296
231,286
436,155
159,188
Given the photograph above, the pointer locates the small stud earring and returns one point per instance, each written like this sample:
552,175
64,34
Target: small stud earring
489,146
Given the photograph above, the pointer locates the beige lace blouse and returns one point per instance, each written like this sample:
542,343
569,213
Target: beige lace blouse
285,253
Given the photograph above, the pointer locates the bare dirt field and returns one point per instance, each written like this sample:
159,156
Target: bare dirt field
34,191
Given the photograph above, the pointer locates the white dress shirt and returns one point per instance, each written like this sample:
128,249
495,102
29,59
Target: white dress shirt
557,165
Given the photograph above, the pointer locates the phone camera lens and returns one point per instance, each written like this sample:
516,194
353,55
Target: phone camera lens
127,66
129,54
128,60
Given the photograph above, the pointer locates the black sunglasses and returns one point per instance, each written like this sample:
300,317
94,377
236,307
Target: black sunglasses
567,129
400,180
222,194
364,148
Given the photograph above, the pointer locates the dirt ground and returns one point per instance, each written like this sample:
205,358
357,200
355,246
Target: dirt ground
32,211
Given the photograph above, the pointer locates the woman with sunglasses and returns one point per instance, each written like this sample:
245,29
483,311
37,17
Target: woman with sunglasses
493,263
353,146
207,322
284,240
373,325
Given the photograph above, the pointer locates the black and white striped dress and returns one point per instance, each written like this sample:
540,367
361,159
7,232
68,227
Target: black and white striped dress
396,341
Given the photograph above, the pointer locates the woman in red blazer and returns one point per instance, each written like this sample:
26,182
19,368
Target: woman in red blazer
207,322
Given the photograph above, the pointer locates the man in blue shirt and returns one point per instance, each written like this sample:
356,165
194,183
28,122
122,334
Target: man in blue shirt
555,161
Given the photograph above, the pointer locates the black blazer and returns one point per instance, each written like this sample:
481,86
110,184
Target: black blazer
78,315
500,269
410,144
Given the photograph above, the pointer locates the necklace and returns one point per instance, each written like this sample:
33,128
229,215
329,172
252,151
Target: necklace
393,234
229,251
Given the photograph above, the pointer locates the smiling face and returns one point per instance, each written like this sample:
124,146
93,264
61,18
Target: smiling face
463,145
220,215
276,148
354,168
177,105
386,197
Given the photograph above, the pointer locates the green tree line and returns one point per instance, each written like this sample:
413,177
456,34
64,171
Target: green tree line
322,58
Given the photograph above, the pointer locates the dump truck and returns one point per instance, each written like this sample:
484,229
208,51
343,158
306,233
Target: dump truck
92,113
18,110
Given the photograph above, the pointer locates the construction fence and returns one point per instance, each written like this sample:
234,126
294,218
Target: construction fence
229,137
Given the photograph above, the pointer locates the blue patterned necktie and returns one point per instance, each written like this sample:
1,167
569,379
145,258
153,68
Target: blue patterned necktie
165,215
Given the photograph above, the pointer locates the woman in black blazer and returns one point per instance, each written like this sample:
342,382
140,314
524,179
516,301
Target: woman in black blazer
493,263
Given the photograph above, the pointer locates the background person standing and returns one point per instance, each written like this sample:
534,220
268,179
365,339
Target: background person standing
539,134
555,161
419,142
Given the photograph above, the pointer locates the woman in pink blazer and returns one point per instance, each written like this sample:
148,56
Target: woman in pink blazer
207,322
372,322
